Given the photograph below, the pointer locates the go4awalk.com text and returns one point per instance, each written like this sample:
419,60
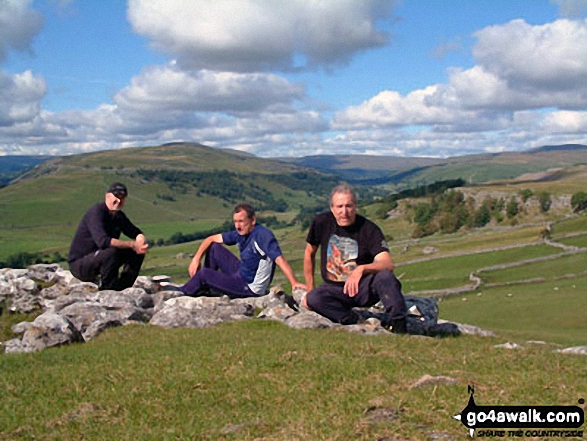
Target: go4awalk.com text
522,421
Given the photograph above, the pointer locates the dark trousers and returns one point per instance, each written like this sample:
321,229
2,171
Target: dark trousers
221,273
330,301
106,264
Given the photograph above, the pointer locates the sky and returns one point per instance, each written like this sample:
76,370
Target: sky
282,78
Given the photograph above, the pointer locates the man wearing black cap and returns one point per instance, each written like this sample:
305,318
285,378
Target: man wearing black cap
97,253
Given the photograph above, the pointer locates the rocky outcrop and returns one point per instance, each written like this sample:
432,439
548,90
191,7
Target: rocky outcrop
72,311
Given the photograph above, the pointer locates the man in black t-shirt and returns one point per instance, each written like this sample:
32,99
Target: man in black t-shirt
356,266
97,253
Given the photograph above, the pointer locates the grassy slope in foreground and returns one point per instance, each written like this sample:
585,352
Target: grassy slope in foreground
262,380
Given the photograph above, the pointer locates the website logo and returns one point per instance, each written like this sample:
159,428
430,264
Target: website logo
515,421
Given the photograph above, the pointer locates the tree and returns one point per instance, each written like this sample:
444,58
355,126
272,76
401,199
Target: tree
545,201
526,193
579,201
482,216
423,213
512,208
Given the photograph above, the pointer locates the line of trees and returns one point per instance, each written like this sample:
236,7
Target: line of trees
25,259
391,201
447,212
230,186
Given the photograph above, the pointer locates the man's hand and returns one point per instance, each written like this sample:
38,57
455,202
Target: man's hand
140,244
351,286
298,285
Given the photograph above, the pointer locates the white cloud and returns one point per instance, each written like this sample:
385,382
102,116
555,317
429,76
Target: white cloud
389,108
257,35
565,122
164,88
520,67
545,58
20,97
18,25
165,104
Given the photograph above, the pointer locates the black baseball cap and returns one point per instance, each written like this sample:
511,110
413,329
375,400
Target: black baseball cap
119,190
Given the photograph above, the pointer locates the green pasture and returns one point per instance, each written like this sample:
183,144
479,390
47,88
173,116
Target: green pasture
47,239
454,272
572,224
165,230
553,311
474,240
41,214
552,269
261,380
576,241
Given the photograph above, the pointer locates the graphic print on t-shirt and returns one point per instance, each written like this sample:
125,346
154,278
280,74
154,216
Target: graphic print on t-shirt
341,255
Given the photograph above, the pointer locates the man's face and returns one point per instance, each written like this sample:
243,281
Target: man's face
115,203
344,209
242,223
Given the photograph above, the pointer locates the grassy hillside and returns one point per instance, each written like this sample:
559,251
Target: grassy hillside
173,188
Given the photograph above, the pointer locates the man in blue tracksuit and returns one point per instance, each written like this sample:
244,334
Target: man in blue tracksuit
248,276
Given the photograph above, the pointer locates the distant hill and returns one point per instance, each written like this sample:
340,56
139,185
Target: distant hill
12,166
188,185
558,148
174,189
363,167
475,169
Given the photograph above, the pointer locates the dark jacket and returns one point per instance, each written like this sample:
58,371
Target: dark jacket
97,228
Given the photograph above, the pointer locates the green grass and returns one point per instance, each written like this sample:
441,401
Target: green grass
454,272
481,239
570,225
474,173
549,270
262,380
8,319
577,241
553,311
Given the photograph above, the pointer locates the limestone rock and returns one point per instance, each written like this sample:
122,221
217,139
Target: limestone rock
577,350
199,312
309,320
49,330
75,311
92,317
429,380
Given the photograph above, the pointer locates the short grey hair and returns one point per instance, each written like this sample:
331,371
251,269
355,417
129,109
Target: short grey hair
343,188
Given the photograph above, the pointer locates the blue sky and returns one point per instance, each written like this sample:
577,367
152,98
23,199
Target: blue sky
407,78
